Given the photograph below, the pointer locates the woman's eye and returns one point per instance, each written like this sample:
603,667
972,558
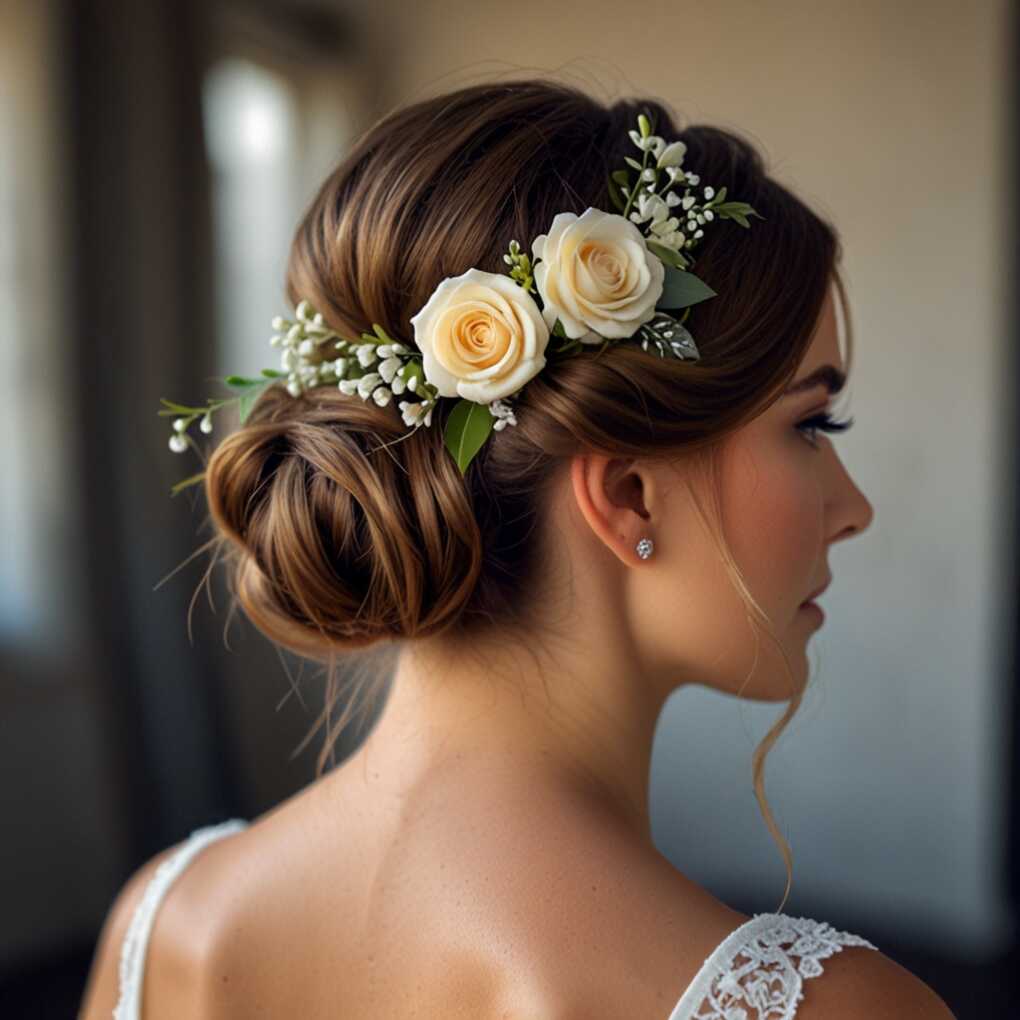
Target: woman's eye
825,422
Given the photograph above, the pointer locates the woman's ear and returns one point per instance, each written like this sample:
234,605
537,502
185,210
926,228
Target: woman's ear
613,494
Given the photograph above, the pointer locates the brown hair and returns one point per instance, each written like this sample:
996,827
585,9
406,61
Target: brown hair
345,531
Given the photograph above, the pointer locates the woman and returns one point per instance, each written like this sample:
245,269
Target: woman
633,523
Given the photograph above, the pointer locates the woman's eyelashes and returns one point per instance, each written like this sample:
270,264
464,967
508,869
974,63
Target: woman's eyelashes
825,422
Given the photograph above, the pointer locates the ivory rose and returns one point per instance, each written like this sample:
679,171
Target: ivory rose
482,336
596,275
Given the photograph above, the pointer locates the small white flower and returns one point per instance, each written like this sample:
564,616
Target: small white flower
672,155
348,386
688,201
381,395
279,323
709,192
388,368
302,311
178,444
340,366
648,174
294,333
672,199
412,383
415,413
653,207
366,355
673,240
288,359
306,347
693,179
180,424
384,350
205,424
294,388
367,383
398,385
709,214
504,414
665,226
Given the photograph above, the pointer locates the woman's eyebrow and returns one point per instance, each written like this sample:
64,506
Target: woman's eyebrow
825,375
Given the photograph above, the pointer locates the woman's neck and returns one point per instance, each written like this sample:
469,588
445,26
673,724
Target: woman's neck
582,724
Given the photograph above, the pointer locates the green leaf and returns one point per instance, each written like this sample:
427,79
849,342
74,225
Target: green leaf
681,289
620,176
467,428
413,370
193,480
558,329
667,255
271,373
633,162
615,196
240,382
179,408
246,402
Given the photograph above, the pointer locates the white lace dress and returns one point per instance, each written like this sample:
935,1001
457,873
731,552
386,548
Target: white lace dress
756,973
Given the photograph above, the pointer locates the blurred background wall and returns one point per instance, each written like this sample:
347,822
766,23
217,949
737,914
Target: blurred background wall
154,160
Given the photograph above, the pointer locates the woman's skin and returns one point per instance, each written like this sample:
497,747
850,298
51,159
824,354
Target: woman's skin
487,851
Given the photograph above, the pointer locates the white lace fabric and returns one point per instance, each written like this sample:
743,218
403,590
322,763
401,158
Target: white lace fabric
758,971
136,940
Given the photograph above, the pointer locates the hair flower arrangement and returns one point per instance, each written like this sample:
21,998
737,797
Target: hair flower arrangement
591,280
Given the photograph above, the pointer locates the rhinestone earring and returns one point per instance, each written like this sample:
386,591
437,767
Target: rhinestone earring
644,548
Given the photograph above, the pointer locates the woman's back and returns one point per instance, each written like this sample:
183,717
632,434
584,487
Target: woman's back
516,904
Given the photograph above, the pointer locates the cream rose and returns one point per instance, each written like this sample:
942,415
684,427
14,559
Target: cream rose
482,336
596,275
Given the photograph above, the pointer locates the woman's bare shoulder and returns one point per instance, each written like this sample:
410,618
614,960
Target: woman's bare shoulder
865,984
596,926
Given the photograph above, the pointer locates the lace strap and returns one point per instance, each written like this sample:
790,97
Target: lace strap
136,939
751,975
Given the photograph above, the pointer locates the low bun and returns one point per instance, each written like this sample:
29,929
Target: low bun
344,528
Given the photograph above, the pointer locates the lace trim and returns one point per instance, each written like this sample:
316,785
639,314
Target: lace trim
136,939
766,981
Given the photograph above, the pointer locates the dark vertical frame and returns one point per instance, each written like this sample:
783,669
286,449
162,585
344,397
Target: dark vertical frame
141,254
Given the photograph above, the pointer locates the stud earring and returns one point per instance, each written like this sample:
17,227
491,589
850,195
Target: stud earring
644,548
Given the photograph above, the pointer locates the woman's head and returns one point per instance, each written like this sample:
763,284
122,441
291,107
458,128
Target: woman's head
346,531
352,543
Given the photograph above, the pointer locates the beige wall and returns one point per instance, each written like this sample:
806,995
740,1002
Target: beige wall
889,118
